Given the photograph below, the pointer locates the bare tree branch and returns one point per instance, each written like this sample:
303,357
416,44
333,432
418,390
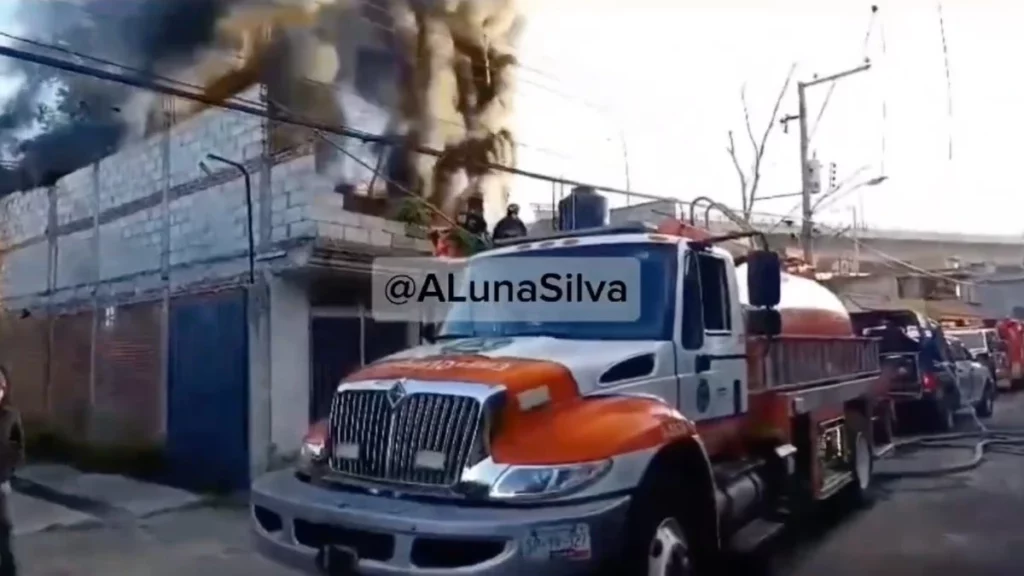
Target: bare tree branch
731,149
759,150
750,181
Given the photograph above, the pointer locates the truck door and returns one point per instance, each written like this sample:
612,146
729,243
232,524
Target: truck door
712,362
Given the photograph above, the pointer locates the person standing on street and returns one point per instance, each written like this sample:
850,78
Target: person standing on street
12,453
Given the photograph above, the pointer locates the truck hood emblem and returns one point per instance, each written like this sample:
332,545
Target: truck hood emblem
396,393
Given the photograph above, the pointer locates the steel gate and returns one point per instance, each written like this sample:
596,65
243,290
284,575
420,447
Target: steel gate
208,392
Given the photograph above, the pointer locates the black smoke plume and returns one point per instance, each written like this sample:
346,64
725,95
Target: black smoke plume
81,118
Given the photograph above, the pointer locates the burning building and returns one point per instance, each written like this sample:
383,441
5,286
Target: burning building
127,245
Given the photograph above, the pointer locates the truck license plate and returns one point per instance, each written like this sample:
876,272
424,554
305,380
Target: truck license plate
568,541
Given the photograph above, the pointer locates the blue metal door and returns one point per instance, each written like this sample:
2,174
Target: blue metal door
208,393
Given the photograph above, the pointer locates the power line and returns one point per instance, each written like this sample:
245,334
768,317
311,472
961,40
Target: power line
894,260
949,82
601,108
885,96
321,129
106,62
832,85
147,82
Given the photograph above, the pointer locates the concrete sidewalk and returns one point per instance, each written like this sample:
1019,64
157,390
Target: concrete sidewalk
102,493
33,515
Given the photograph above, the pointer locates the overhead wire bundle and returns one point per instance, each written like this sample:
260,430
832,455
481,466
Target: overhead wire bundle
322,132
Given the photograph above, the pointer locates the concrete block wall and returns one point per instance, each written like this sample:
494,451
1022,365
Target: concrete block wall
24,268
114,219
305,205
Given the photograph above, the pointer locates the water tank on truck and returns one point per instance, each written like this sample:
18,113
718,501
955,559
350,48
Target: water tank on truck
582,208
807,307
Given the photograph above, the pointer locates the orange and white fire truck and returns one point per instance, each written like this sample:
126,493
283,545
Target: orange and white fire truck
738,400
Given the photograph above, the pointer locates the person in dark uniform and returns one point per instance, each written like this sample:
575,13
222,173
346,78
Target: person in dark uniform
510,226
12,454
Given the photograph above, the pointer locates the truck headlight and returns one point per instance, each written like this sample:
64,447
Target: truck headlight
313,451
522,482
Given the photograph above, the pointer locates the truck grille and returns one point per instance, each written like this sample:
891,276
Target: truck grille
425,439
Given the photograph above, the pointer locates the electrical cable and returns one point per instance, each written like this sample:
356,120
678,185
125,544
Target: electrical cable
318,133
897,261
949,82
321,131
148,83
885,96
601,108
832,84
238,99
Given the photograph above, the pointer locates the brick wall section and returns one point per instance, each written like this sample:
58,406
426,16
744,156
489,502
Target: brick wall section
24,357
70,365
127,407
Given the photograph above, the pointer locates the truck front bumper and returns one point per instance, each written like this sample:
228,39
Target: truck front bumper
293,521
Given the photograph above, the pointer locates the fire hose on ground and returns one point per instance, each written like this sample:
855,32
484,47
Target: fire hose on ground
1003,440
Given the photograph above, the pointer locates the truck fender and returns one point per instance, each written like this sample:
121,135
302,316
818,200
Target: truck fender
686,458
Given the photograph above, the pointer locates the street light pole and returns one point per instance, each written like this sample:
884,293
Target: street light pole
248,208
807,187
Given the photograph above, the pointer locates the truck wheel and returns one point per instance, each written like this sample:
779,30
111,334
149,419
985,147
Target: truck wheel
658,540
943,417
669,551
863,465
987,405
861,459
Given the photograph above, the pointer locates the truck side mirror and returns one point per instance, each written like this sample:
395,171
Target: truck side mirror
764,322
764,278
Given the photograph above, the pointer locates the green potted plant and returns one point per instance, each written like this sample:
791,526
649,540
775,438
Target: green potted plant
416,216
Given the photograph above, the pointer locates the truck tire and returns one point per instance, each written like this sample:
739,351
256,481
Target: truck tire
660,538
942,415
862,463
987,404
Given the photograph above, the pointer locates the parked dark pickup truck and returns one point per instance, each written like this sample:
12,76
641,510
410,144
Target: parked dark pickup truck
926,379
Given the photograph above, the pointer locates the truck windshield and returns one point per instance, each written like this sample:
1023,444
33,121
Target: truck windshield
658,268
974,340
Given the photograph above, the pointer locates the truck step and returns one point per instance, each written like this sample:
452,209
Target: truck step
754,535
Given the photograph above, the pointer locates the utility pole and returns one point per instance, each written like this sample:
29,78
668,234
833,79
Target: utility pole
807,187
856,241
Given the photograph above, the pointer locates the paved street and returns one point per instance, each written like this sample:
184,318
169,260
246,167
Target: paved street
970,524
967,524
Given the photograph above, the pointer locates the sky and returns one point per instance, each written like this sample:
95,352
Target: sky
655,85
7,10
665,77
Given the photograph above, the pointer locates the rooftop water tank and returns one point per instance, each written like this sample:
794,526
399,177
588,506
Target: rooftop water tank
582,208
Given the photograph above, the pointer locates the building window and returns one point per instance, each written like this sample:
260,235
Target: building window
109,316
